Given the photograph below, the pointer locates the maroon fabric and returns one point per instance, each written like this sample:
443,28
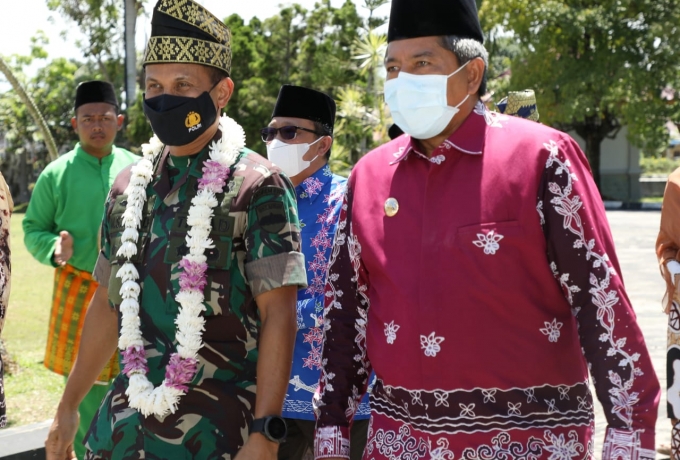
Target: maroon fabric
476,303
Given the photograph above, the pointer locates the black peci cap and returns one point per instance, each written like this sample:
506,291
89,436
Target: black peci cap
95,91
300,102
427,18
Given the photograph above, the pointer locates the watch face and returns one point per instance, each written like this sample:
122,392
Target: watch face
276,428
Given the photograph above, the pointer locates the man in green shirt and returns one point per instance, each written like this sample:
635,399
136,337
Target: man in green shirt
61,228
200,261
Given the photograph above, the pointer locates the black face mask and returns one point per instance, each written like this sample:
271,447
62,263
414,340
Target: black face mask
179,120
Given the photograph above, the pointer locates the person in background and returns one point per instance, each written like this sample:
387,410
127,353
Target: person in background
668,253
6,206
299,139
61,229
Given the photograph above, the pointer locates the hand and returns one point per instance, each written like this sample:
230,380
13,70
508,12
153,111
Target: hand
258,447
59,442
64,249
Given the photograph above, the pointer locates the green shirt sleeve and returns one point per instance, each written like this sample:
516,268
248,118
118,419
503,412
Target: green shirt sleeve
40,232
272,236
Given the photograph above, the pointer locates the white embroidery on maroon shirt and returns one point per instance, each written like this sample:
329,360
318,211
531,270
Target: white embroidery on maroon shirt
513,409
488,241
625,444
503,447
431,344
391,332
564,392
399,445
442,399
552,330
439,159
330,442
489,395
567,290
567,204
467,410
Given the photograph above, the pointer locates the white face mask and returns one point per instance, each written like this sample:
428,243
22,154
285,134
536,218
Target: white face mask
418,103
288,157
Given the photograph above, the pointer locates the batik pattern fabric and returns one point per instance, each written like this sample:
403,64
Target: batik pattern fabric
6,207
255,231
497,287
319,198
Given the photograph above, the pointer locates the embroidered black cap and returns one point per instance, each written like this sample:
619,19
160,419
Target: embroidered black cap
182,31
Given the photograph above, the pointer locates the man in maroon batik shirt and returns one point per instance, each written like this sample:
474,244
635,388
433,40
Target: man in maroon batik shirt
474,271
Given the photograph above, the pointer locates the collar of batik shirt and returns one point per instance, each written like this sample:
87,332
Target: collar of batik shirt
469,138
311,187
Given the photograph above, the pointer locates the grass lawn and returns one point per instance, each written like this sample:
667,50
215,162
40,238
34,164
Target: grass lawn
33,392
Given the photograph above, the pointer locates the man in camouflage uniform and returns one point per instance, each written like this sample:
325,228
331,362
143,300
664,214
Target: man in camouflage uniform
254,271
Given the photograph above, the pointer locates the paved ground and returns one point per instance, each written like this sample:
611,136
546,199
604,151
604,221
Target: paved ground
634,234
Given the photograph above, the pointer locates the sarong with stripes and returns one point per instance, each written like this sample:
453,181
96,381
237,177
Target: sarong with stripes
73,290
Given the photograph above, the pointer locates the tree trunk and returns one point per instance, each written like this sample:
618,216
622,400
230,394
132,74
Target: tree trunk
130,53
24,196
593,150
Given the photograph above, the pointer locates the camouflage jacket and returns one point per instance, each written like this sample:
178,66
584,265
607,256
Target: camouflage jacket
256,235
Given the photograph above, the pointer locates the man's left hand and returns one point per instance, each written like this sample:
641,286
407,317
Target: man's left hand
258,447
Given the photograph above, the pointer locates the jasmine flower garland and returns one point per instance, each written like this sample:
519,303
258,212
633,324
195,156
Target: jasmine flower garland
183,364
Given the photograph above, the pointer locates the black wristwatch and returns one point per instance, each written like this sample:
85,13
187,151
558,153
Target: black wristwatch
272,427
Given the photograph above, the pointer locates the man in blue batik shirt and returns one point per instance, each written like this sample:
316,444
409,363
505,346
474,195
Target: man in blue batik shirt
299,139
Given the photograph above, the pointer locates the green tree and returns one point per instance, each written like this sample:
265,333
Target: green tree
595,65
52,89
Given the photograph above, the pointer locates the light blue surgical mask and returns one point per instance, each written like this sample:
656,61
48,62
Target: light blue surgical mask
419,105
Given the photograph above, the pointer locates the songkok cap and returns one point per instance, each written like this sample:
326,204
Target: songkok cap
520,104
394,131
182,31
427,18
95,91
300,102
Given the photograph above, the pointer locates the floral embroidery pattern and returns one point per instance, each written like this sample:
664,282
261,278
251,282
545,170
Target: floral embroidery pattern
552,330
489,242
567,204
312,186
391,332
431,344
513,409
345,236
315,339
568,290
403,445
467,410
503,448
481,409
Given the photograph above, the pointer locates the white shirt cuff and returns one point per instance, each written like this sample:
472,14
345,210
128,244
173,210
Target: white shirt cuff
673,266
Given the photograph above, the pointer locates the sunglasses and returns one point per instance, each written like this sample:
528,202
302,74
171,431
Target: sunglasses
286,132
